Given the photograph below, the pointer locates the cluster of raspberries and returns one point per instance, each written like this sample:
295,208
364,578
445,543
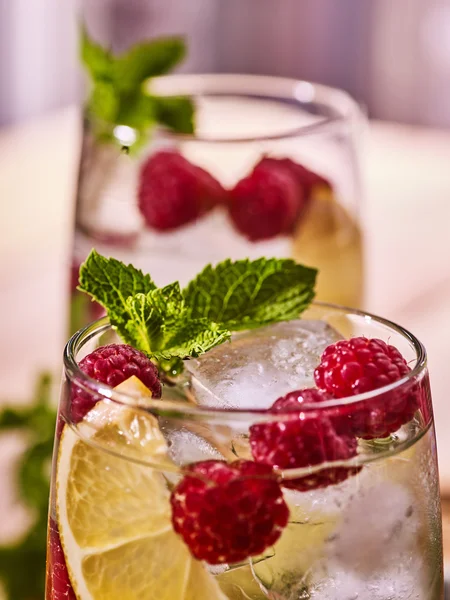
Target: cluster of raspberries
268,202
226,512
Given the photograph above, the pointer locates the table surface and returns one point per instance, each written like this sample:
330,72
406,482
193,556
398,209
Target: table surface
406,215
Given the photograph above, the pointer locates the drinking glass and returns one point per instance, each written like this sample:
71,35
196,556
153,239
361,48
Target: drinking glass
304,132
365,528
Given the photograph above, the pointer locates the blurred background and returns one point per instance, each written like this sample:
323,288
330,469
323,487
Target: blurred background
395,59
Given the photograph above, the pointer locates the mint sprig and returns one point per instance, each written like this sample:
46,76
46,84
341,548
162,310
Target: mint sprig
244,294
97,60
112,283
119,95
168,323
146,60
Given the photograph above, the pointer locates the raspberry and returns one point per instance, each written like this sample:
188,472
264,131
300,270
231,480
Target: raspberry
360,365
173,192
307,179
267,202
306,439
228,512
111,365
58,582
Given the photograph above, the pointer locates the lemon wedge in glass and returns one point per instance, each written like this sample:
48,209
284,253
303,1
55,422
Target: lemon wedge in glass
114,514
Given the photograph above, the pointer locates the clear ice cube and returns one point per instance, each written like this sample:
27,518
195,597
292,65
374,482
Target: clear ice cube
259,366
391,524
400,582
373,553
188,447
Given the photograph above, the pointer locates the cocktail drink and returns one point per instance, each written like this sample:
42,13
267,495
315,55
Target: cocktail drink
271,170
233,441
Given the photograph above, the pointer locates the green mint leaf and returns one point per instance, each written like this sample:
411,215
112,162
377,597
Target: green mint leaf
38,416
154,318
166,323
244,294
151,319
136,110
169,302
103,101
97,60
175,112
193,338
118,95
33,474
110,283
37,421
143,326
149,59
11,418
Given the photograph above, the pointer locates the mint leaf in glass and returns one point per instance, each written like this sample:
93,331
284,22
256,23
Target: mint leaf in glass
247,294
97,60
111,283
169,302
146,60
119,95
142,325
159,327
175,112
167,323
103,101
152,315
192,338
136,110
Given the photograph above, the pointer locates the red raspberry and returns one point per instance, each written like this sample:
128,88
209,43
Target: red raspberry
267,202
111,365
173,192
307,179
360,365
305,440
58,582
228,512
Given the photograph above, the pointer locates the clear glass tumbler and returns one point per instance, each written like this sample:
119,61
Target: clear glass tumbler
363,526
279,176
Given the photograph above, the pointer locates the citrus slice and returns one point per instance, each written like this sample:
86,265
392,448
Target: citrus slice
114,514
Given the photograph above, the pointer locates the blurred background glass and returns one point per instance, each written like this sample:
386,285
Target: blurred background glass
280,173
394,58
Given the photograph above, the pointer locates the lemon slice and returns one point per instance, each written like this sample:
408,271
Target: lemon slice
114,514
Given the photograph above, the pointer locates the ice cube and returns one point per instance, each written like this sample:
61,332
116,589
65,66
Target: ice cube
379,523
187,447
402,580
374,553
259,366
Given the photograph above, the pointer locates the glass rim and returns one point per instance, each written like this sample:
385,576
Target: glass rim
298,91
180,409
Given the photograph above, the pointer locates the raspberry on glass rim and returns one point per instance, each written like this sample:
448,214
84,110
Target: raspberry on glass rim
174,192
227,512
308,438
113,364
359,365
